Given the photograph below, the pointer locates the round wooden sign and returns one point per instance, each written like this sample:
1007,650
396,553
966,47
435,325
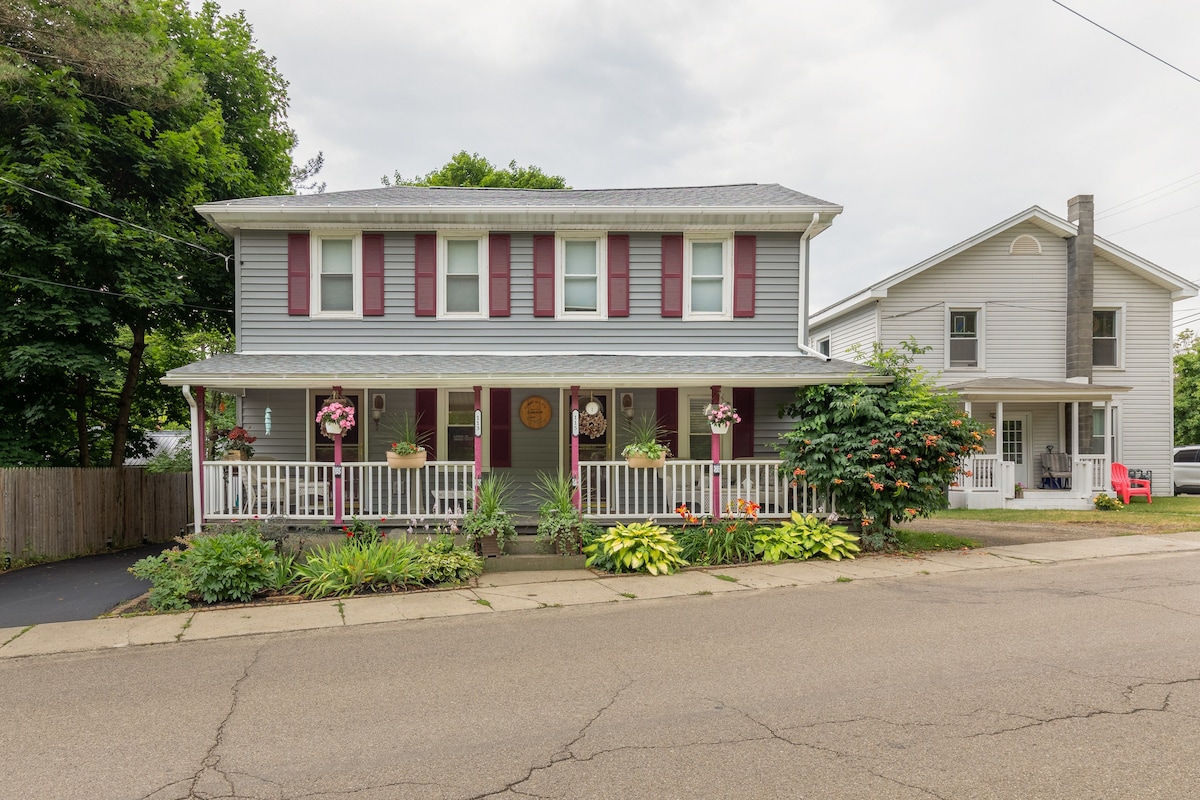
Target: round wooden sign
535,412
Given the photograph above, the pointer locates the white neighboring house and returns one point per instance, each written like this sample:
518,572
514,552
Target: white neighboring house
1037,324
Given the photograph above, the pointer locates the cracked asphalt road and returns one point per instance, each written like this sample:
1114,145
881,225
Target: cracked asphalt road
1076,680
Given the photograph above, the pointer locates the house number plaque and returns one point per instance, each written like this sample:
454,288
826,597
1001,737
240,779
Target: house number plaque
535,412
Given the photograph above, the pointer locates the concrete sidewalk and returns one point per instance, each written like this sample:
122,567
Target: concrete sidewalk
518,591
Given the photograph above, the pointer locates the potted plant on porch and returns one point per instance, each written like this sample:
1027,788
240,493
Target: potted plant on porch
487,525
237,444
560,525
407,450
644,450
336,416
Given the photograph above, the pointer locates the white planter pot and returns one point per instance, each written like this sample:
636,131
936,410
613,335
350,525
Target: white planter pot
719,427
332,428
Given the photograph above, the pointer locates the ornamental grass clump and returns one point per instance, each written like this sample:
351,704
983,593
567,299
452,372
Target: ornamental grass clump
710,542
638,547
341,570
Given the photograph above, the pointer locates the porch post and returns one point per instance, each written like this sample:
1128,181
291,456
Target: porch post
1108,455
964,480
1000,429
478,390
337,472
199,451
576,497
1074,446
716,461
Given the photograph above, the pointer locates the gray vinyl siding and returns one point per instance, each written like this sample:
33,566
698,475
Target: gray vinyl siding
1146,412
850,333
533,451
289,423
768,426
265,326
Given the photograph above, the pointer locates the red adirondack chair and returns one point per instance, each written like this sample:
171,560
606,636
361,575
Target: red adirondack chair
1127,487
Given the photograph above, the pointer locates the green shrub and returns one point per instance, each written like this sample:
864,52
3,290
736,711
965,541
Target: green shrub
1105,503
342,570
641,546
440,561
229,566
360,533
805,537
171,584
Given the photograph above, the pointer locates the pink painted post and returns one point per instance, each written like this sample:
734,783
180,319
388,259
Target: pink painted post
478,440
576,497
716,461
337,472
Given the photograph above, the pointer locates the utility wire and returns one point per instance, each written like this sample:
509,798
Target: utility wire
1111,213
118,219
1126,41
103,291
1151,222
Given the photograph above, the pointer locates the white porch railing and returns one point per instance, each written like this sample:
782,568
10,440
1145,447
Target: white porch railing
614,490
1091,474
443,489
304,490
1096,469
979,474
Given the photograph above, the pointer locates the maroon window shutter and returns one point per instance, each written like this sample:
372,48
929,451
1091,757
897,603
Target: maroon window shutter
543,275
618,275
743,432
666,404
372,253
672,276
426,275
426,401
499,261
298,277
745,254
501,429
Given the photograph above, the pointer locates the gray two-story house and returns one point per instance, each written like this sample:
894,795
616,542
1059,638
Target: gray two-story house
524,329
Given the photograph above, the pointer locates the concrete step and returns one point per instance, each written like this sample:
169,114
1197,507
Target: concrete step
524,563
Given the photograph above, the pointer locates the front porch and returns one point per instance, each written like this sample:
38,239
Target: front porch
441,492
990,482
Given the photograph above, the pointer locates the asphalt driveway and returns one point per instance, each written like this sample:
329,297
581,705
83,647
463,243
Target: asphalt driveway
78,588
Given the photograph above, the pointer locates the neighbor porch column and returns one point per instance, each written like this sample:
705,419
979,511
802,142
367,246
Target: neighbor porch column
1000,430
964,480
716,461
1106,409
337,470
576,497
199,450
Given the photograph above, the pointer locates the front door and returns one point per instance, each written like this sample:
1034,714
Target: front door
1014,441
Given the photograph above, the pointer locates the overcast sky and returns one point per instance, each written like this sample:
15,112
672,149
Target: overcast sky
928,120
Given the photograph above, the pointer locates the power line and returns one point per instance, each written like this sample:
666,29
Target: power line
118,219
1111,213
1151,222
1126,41
102,291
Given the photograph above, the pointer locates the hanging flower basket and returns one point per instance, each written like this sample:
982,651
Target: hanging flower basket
336,417
721,414
719,427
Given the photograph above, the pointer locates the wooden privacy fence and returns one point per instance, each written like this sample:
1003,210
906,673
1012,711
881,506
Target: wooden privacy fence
69,511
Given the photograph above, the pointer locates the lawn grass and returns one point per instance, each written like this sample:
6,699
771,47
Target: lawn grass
1164,515
921,541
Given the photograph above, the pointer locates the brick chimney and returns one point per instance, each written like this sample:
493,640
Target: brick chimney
1081,279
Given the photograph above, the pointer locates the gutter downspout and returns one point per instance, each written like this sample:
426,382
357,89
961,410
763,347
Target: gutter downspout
197,460
802,326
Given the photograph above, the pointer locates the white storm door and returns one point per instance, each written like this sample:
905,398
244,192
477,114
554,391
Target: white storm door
1014,443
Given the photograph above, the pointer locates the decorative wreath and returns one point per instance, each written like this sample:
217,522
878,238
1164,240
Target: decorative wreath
592,425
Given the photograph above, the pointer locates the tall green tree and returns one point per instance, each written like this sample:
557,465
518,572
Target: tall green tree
1187,388
465,169
885,452
119,117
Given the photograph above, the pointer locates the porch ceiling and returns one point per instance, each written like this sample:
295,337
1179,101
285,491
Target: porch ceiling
412,371
987,390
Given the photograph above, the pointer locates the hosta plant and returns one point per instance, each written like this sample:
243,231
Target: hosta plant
805,537
638,547
441,561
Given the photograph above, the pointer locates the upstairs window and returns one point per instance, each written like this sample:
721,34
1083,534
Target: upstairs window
337,274
581,276
708,284
964,338
462,275
823,346
1105,345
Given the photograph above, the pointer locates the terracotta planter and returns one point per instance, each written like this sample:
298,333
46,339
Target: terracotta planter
411,461
719,427
641,462
332,428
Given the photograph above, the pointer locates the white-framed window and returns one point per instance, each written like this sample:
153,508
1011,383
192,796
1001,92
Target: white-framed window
462,274
459,425
707,276
336,273
823,346
964,338
695,434
1107,350
582,289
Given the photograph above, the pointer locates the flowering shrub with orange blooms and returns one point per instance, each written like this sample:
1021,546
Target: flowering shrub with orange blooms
887,451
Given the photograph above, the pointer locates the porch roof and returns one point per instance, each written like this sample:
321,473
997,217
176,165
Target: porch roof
1004,389
416,370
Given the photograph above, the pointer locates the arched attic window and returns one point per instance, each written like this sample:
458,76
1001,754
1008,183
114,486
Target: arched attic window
1025,245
